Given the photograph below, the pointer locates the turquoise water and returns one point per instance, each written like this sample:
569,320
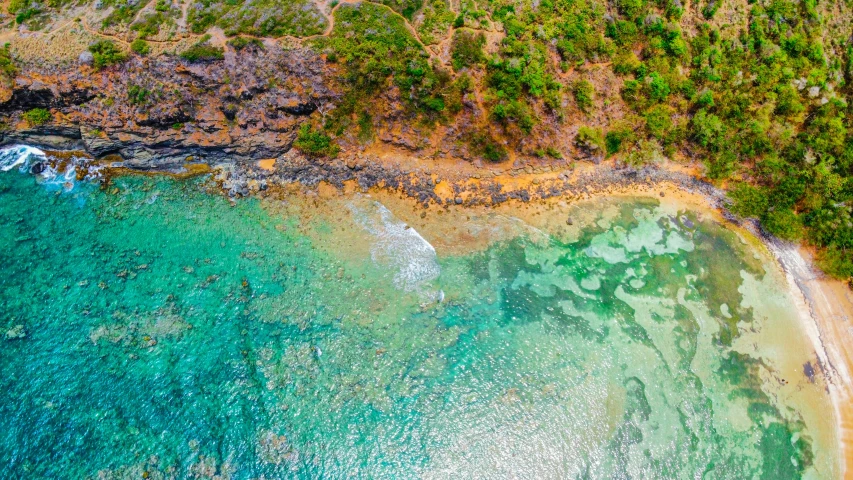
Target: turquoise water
154,330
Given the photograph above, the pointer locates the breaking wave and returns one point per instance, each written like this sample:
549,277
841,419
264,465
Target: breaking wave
398,246
19,156
52,174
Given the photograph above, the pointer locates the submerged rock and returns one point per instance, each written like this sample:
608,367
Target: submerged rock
15,333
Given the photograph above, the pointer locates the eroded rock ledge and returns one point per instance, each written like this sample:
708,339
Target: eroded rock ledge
155,113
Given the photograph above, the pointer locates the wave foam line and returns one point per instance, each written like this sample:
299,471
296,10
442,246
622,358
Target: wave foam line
15,155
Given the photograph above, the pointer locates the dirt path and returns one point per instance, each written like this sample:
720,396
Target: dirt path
220,38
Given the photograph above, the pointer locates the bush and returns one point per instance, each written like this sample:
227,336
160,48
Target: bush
647,151
748,200
105,53
591,139
784,223
239,43
37,116
708,130
7,66
466,49
315,143
659,121
202,51
583,92
140,46
626,63
137,95
485,146
514,111
16,6
836,261
632,9
658,87
617,138
705,99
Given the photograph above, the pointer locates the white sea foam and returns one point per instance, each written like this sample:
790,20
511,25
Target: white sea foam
18,155
24,157
396,245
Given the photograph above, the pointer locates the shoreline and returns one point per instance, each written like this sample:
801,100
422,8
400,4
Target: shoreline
828,305
825,305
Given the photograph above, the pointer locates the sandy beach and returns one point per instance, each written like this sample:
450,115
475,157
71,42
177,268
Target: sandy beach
828,314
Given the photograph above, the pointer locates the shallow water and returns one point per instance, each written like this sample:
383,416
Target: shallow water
153,327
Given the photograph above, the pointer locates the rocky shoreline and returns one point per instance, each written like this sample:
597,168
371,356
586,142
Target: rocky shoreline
242,176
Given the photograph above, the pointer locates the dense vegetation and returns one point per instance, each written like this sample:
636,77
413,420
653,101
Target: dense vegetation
377,52
315,143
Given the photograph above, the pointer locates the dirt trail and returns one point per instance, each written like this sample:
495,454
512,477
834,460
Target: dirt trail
218,35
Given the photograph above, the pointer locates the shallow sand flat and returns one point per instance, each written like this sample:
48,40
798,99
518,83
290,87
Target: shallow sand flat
826,306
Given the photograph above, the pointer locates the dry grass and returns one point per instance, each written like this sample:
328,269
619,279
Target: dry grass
59,48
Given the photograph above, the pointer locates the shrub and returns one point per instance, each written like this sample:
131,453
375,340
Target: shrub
105,53
784,223
315,143
583,92
622,32
722,165
705,99
140,46
748,200
591,139
150,25
658,87
626,62
647,151
659,121
25,15
137,95
836,261
708,130
239,43
486,146
7,66
202,51
466,49
617,138
711,8
631,8
37,116
513,111
16,6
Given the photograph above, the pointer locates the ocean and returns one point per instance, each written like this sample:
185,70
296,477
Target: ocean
152,328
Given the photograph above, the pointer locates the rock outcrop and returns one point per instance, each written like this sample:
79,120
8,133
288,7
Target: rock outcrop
156,112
